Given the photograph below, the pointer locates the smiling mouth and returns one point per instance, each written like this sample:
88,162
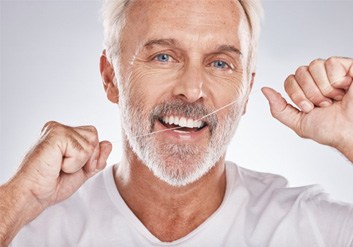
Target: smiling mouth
182,123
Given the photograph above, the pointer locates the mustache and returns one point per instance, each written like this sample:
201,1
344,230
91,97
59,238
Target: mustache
195,111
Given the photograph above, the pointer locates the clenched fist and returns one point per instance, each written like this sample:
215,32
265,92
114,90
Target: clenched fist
62,160
323,92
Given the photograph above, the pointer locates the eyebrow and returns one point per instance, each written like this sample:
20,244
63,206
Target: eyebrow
228,48
162,42
172,42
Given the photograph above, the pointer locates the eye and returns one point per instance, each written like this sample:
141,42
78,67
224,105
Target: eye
219,64
164,58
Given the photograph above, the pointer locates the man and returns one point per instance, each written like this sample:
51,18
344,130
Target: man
182,72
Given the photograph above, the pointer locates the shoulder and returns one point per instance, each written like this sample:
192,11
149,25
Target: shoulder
274,207
272,189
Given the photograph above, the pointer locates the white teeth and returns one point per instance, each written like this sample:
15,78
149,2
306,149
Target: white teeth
183,122
171,120
190,123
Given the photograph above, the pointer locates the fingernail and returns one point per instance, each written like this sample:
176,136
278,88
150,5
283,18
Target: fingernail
305,106
325,103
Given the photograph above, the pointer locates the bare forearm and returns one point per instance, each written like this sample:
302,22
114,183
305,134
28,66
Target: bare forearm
345,143
16,210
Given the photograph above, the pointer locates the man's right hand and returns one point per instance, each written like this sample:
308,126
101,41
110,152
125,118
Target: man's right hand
63,159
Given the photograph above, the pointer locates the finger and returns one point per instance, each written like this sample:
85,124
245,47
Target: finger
89,132
317,70
77,153
309,87
98,160
339,72
297,95
281,110
74,180
62,133
105,150
70,149
85,135
91,164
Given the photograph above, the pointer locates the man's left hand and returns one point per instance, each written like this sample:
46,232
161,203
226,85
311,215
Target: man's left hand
323,92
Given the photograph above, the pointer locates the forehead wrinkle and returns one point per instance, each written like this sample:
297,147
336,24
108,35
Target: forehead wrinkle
173,42
161,42
197,25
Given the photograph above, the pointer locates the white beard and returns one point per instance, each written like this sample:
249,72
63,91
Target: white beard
176,164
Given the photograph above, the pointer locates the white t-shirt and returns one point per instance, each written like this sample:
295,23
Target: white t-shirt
258,210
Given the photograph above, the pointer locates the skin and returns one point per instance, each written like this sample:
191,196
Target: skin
172,212
62,160
328,123
65,157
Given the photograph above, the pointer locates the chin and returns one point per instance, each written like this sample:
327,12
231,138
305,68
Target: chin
180,165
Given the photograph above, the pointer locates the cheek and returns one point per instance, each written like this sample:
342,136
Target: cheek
147,84
224,89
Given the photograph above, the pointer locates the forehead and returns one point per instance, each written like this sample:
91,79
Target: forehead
188,20
196,10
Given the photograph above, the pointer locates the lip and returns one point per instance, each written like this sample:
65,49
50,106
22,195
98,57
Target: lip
181,136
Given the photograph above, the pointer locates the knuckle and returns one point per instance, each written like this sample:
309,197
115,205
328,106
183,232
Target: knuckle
301,71
92,140
56,127
315,63
92,129
93,137
331,61
48,125
90,133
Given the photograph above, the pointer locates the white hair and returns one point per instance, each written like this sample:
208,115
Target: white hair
114,20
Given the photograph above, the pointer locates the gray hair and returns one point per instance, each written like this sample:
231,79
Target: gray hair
114,20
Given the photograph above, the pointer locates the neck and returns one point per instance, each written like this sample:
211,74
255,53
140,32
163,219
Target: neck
169,212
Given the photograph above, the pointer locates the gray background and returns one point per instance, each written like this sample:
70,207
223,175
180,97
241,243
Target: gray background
49,71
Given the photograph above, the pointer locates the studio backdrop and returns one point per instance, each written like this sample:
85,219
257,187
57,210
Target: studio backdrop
50,71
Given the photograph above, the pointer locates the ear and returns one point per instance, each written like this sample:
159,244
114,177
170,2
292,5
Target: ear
251,85
108,75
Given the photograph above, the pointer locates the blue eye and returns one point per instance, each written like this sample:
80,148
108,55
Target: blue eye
220,64
162,58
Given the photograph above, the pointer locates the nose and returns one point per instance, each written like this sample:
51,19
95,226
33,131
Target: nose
190,86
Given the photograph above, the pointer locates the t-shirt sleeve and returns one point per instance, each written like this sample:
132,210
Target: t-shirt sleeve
334,219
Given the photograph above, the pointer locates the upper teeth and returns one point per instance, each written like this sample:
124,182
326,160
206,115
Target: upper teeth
183,122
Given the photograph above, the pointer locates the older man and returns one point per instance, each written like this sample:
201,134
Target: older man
182,72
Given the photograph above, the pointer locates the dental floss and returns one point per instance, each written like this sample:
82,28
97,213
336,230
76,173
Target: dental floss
215,111
176,128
